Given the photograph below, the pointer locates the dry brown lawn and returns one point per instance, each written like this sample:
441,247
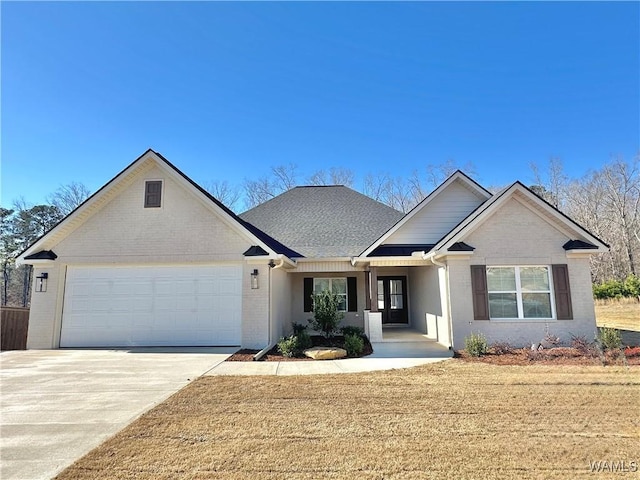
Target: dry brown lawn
445,420
623,314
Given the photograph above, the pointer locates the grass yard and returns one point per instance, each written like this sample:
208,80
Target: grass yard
623,314
444,420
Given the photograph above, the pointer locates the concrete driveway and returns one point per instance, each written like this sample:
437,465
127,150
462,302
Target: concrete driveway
57,405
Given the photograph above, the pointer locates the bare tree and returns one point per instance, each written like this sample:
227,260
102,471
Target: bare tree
622,192
552,184
68,197
285,177
282,178
405,193
335,176
374,186
438,173
400,195
224,192
607,203
7,250
392,191
257,192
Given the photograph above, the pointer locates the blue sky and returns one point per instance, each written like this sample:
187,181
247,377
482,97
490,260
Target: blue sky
227,90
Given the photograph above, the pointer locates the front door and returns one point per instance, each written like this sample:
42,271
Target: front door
392,299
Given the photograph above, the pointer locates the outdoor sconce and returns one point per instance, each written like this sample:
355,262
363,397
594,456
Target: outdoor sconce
41,282
254,279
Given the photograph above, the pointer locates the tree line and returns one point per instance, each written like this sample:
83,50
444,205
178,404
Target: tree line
22,225
605,201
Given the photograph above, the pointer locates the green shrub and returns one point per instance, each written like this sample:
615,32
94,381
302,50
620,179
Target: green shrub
353,344
326,313
609,338
476,344
632,286
351,330
298,328
304,341
288,346
294,345
629,287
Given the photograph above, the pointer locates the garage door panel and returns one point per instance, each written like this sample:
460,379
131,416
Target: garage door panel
152,306
142,321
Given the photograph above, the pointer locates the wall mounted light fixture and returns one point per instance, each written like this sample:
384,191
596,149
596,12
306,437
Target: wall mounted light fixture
41,282
254,279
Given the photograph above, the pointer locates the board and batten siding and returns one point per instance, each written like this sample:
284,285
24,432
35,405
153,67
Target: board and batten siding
438,217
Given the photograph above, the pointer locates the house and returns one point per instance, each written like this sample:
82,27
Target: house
152,259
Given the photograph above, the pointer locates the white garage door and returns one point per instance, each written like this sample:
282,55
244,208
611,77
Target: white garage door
152,306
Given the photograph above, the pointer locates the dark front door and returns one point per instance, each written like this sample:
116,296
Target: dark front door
392,299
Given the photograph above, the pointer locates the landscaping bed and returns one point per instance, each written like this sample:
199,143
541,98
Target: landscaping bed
274,355
555,356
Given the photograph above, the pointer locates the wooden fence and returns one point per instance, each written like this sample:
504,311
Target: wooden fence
15,323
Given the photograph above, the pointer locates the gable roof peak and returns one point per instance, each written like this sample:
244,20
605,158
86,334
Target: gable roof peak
93,203
517,187
458,176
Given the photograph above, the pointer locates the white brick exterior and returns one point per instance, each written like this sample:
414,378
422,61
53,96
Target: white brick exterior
187,229
515,235
114,229
298,314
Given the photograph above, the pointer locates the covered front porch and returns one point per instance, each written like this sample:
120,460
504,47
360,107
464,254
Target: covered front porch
391,299
406,342
407,304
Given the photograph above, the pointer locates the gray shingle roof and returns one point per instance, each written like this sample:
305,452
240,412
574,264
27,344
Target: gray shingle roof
323,221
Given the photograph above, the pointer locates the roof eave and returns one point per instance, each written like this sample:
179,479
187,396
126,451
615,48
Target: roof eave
485,210
584,252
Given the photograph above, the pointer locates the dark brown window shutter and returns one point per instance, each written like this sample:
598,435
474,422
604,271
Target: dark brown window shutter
562,291
152,193
480,293
352,294
308,291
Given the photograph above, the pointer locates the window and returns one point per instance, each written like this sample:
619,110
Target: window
519,292
338,286
396,297
152,193
346,288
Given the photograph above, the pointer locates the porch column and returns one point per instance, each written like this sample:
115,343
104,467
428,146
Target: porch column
367,290
373,318
373,288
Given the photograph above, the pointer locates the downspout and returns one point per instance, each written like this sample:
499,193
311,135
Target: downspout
448,296
271,343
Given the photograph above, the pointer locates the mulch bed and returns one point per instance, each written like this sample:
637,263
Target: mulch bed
556,356
517,356
273,355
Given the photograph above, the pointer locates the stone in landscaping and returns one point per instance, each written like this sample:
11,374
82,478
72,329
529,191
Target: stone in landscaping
325,353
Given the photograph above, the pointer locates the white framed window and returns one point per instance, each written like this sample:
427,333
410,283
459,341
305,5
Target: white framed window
520,292
337,286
